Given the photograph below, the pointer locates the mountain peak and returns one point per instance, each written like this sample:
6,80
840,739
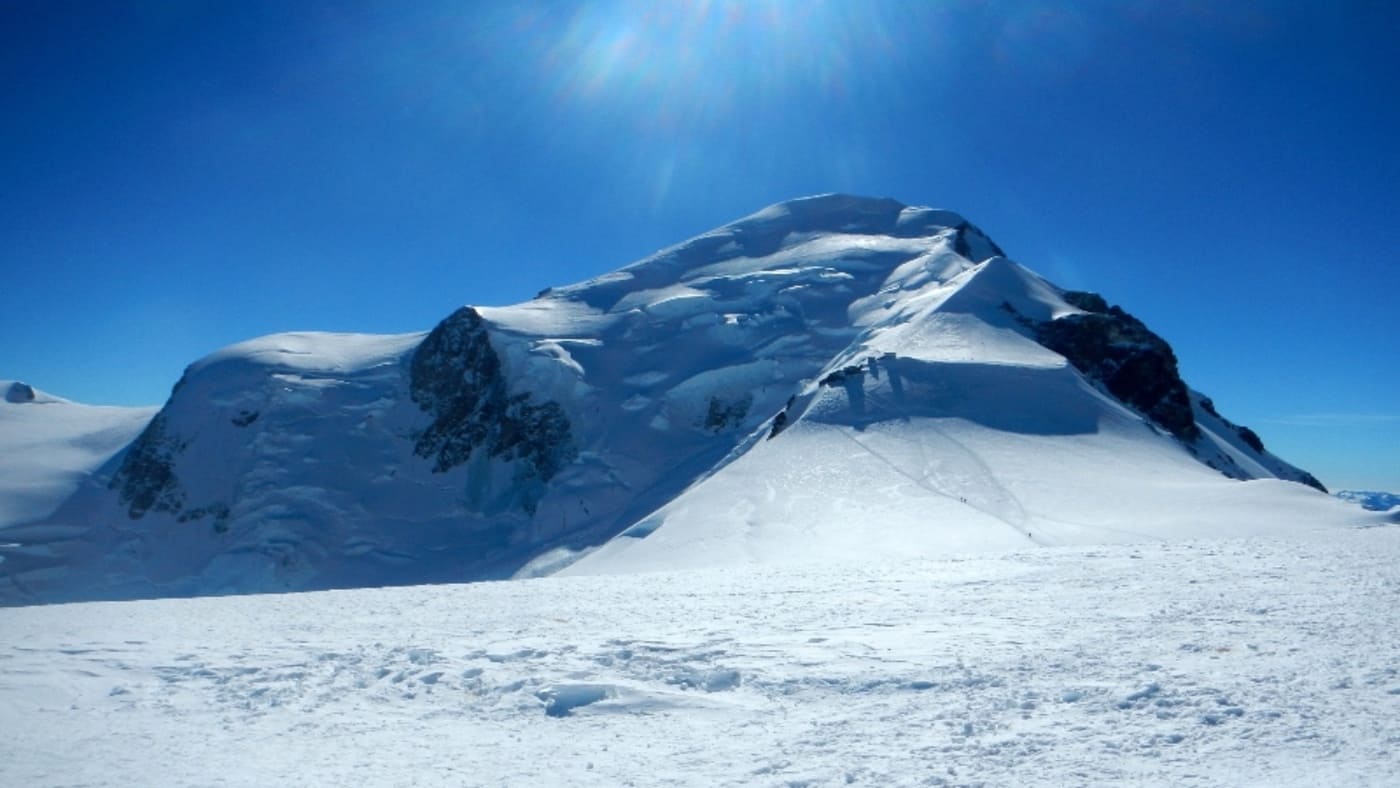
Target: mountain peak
832,212
837,232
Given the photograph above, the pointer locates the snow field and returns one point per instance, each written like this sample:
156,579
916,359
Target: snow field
1263,661
49,445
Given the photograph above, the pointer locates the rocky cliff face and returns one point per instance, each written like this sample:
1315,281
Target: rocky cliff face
1135,365
1138,367
455,376
146,480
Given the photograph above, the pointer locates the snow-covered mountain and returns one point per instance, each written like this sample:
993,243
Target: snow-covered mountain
831,377
1374,501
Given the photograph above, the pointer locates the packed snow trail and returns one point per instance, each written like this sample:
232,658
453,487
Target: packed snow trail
1267,661
953,472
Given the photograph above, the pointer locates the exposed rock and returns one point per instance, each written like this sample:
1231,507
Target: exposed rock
1250,438
218,510
456,376
723,414
962,245
19,392
1208,406
1089,302
146,479
1311,481
1134,364
780,421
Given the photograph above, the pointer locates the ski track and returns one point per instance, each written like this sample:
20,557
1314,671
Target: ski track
956,474
1202,663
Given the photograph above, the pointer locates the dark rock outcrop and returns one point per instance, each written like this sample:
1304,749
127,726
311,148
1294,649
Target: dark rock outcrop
19,392
146,479
962,246
1251,439
723,414
455,375
1135,365
1311,481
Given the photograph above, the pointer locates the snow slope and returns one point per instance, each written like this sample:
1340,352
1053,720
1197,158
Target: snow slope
830,377
953,430
49,445
1227,662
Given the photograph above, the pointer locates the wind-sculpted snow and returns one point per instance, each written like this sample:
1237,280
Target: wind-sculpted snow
828,375
1266,661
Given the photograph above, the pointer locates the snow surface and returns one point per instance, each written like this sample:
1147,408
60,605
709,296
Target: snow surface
1262,661
49,445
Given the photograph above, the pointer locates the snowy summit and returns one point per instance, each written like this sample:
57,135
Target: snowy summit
833,378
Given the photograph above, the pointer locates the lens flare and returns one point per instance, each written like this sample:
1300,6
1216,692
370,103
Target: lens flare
694,64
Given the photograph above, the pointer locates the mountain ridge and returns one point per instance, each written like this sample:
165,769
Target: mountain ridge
1372,500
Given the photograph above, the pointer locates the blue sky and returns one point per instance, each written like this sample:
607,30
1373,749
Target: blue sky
180,175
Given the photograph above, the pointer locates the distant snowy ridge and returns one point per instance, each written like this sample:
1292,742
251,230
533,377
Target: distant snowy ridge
830,378
1373,501
49,445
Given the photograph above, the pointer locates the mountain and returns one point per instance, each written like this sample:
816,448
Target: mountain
831,377
1373,501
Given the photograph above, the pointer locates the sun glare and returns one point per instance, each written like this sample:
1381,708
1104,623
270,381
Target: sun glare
692,63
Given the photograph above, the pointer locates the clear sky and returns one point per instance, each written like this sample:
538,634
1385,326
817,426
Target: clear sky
179,175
